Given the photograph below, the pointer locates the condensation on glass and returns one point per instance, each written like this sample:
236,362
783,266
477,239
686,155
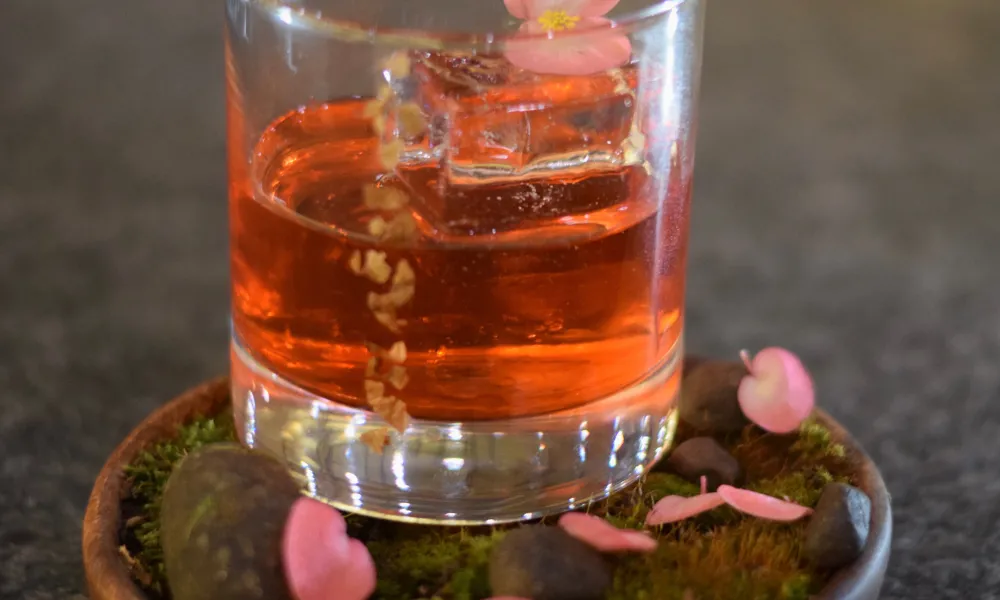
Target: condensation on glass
458,244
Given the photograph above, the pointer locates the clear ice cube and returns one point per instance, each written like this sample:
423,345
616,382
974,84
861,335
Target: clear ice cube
495,127
494,120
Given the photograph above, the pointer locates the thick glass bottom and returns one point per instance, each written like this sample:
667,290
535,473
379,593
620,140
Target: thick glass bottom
471,473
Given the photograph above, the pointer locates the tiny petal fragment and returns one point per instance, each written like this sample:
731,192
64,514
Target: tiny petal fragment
354,263
385,198
389,320
389,153
401,228
376,267
374,390
376,439
397,377
398,417
671,509
396,353
411,120
604,536
404,275
761,505
377,227
398,65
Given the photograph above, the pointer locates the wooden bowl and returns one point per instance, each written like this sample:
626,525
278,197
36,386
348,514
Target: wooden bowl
108,577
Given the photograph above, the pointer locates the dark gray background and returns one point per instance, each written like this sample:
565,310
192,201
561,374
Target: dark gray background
846,206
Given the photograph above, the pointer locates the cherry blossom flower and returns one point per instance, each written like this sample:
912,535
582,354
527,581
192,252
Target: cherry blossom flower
778,393
321,562
604,536
600,52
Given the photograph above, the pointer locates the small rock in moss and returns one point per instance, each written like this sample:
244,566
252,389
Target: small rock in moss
838,529
546,563
704,457
223,514
708,397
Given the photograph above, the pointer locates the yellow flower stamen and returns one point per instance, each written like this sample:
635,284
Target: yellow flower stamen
557,20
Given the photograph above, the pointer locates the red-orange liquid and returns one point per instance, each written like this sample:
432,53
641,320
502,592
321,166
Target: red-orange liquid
545,295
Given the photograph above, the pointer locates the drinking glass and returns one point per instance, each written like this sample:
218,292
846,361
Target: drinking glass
458,246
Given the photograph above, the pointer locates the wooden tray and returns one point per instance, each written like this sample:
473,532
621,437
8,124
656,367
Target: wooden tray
108,578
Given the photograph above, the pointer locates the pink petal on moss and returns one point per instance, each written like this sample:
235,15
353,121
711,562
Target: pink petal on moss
778,393
321,562
671,509
604,536
568,56
761,505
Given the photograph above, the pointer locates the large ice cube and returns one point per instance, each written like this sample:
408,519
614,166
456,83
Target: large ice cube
495,120
504,144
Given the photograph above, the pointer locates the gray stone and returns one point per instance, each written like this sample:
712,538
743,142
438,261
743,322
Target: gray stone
708,397
838,528
546,563
703,456
224,511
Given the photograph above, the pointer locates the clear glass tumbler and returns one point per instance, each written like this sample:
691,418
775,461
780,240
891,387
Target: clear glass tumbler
458,239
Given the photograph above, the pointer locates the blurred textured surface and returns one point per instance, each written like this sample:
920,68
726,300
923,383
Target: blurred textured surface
847,207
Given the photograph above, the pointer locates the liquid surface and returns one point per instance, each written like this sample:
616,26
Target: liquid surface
533,294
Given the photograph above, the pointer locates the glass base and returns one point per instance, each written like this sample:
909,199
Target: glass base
471,473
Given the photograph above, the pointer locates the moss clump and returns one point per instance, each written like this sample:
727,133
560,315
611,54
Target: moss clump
146,478
814,443
433,563
745,559
720,554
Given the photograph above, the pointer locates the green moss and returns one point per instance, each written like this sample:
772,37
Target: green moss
814,443
802,486
720,554
746,559
146,477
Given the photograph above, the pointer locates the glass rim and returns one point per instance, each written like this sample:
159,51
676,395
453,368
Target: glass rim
296,16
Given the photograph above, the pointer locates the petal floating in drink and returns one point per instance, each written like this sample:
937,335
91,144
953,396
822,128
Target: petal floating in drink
534,52
762,506
671,509
778,393
604,536
321,562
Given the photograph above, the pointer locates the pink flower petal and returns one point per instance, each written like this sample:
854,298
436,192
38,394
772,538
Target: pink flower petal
520,9
778,393
604,536
530,10
593,8
671,509
321,562
568,56
762,506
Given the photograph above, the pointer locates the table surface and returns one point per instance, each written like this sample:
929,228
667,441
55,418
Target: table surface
846,207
